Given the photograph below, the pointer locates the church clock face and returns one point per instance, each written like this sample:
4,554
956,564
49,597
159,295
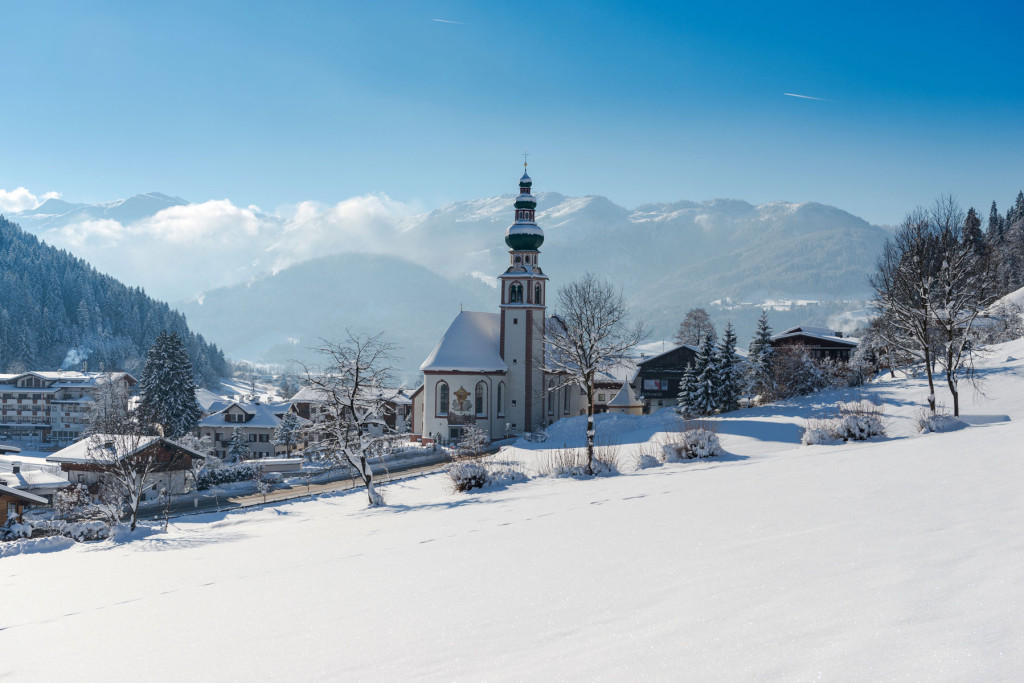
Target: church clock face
517,259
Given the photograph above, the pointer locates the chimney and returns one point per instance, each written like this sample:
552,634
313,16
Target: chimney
15,467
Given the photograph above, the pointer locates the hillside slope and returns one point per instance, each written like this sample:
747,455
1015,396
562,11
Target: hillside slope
896,559
57,311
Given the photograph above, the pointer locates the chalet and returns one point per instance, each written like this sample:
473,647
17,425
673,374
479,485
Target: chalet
820,342
397,402
14,503
85,462
52,407
658,377
257,421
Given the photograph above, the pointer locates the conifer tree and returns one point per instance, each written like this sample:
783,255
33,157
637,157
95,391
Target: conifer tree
704,399
168,388
686,387
728,371
761,362
972,232
238,448
287,433
995,225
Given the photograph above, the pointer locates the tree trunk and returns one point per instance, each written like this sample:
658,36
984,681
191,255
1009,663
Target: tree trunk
590,425
931,380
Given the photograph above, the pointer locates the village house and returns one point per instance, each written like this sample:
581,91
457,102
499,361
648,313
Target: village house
257,421
52,407
41,480
397,406
659,377
86,461
14,503
820,342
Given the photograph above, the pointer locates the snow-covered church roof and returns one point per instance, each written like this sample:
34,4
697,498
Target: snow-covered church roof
471,344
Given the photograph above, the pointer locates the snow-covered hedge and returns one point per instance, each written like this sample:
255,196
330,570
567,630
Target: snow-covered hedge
226,475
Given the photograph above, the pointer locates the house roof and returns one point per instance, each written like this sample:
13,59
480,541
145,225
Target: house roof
471,344
9,449
208,400
625,398
22,495
264,415
30,478
821,333
78,452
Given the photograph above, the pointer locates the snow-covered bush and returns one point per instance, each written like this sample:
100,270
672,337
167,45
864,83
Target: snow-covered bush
536,436
467,475
928,422
71,501
696,439
13,530
646,461
858,421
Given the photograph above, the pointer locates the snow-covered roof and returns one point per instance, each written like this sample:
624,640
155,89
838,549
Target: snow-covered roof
32,478
821,333
471,344
308,395
625,398
207,400
78,452
9,449
23,495
264,415
665,353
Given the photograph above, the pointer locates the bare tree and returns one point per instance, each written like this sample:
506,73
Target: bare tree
964,289
127,471
354,393
589,336
903,280
696,326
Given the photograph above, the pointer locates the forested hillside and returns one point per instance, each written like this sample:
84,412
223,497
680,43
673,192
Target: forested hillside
57,311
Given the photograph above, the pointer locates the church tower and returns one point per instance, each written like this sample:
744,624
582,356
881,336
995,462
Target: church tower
523,294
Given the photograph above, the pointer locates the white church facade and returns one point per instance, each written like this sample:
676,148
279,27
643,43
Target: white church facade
489,368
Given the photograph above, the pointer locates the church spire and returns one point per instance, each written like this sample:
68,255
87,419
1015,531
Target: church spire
525,234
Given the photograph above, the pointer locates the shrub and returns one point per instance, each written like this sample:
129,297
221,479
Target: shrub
572,462
646,461
71,501
928,422
858,421
696,439
467,475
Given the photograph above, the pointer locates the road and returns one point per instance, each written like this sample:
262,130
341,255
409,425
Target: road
295,488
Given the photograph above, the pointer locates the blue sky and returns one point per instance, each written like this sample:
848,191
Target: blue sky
275,103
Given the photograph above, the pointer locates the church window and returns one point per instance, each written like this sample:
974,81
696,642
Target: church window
501,399
515,321
565,400
515,293
551,397
536,295
442,399
481,400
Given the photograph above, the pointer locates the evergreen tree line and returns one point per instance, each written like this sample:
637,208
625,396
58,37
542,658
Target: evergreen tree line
1002,242
57,311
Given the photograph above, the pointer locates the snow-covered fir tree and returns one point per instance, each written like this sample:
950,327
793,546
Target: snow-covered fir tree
238,449
168,387
704,398
761,361
729,371
287,433
686,387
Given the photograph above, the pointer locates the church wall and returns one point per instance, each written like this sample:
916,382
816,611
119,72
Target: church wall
462,403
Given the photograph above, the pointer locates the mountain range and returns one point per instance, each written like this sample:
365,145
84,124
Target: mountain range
267,286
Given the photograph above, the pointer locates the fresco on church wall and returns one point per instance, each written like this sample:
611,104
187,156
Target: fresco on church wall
461,409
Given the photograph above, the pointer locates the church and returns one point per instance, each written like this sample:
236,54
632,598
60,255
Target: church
489,368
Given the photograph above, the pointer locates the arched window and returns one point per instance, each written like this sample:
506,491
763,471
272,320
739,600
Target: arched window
515,293
551,397
536,295
442,399
481,399
501,399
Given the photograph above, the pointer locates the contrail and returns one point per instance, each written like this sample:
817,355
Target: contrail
803,97
449,21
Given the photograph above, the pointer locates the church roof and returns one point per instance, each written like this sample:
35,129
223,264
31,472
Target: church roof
471,344
625,398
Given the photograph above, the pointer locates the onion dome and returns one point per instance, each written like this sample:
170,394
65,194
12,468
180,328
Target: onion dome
525,234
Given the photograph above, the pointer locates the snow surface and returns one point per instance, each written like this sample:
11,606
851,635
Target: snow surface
899,558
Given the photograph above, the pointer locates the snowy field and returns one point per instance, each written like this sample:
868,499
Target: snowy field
900,559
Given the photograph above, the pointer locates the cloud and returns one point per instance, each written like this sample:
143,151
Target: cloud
805,97
20,199
215,221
